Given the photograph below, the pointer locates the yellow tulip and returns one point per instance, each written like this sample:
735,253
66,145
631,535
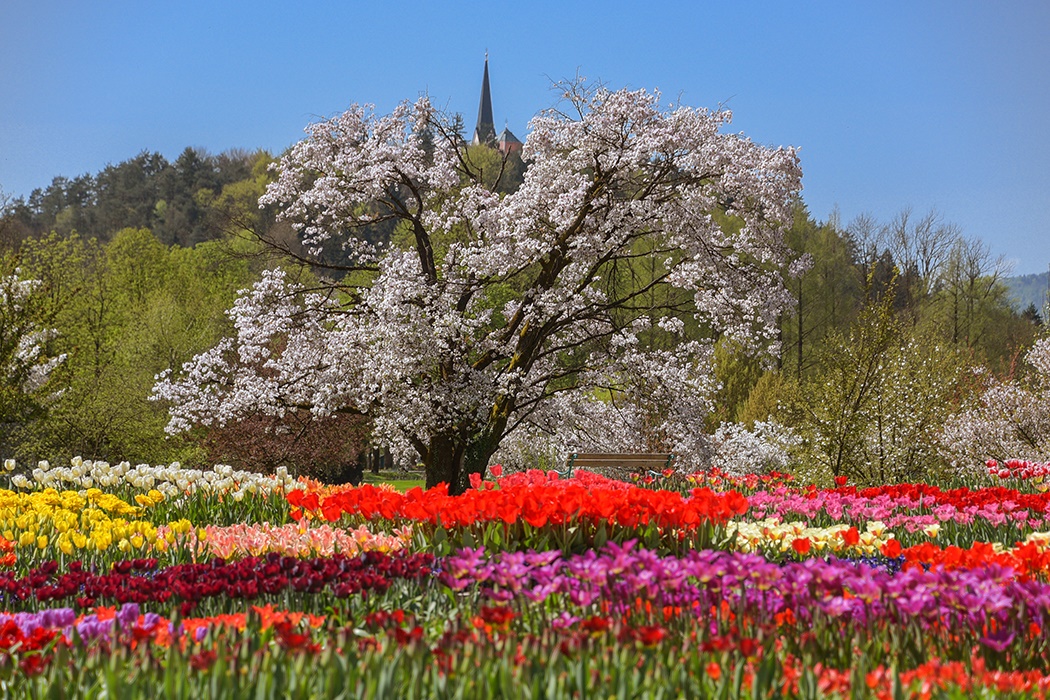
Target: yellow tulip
71,500
877,528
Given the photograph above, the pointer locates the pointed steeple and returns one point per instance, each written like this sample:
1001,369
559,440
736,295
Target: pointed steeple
485,131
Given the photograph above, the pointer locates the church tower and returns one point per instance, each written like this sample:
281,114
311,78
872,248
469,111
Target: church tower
485,131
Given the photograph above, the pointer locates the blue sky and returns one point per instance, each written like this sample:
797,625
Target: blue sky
941,105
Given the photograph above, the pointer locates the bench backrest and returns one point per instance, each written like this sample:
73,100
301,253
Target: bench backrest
631,461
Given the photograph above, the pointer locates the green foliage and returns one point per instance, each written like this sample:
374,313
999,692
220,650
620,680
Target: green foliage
829,293
123,312
764,401
500,173
237,205
873,412
184,202
738,374
24,350
1032,315
970,308
888,317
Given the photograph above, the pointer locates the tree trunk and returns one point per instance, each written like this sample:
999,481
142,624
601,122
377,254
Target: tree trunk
444,461
451,459
477,455
799,341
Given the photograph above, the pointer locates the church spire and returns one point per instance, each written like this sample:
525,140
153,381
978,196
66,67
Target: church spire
485,131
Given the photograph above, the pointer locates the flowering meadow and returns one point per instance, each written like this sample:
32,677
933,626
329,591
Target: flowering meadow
121,581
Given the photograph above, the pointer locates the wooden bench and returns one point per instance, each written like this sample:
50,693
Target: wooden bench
620,464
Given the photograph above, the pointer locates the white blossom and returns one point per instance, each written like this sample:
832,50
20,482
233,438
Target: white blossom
24,363
1009,420
432,349
765,447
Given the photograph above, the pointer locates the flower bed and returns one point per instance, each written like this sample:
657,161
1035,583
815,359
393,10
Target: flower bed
529,584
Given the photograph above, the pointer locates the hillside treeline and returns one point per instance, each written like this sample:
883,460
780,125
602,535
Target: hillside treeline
898,324
182,203
1030,292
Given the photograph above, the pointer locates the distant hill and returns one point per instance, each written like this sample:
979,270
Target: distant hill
1027,289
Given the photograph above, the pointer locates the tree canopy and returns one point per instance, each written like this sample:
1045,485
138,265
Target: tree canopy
637,238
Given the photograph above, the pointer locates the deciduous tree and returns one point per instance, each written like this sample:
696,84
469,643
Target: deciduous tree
504,313
1009,420
26,364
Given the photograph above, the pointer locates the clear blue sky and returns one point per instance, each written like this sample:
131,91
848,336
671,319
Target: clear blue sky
940,105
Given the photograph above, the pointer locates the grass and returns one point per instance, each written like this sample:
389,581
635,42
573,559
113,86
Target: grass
400,480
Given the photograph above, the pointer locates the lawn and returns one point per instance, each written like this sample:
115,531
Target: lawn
400,480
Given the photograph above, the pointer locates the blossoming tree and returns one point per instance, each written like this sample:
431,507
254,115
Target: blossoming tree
638,236
1009,420
25,364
